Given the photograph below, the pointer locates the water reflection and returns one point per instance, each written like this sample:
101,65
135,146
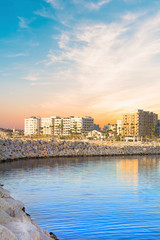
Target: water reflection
89,198
129,170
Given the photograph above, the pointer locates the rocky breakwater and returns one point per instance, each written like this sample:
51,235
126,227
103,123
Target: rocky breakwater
16,224
17,149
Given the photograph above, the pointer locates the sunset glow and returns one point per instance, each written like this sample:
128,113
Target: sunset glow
78,57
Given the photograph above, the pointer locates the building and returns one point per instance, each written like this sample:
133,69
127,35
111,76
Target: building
51,126
66,123
139,124
110,127
77,125
32,126
158,129
57,126
119,127
87,124
47,126
94,134
97,127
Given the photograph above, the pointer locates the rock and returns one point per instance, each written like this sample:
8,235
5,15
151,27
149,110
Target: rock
6,234
15,223
53,236
4,193
4,217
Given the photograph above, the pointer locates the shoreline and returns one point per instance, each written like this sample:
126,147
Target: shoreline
73,156
15,223
15,149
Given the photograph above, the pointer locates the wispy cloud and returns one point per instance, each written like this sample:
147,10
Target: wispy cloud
92,5
98,5
17,55
111,64
55,3
31,78
45,13
23,23
131,17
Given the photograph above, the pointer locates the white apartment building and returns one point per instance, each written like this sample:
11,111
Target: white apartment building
77,125
47,126
32,126
51,126
57,126
66,126
119,127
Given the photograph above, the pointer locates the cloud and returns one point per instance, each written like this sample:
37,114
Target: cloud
55,3
45,13
31,78
113,66
131,17
92,5
23,23
17,55
97,6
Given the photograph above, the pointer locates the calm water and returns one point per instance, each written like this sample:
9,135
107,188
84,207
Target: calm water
89,198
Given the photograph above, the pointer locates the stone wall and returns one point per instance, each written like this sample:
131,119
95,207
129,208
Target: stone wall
11,149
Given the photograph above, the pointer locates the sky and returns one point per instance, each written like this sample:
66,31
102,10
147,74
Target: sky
96,58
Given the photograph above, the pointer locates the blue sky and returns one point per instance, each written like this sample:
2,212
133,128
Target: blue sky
78,57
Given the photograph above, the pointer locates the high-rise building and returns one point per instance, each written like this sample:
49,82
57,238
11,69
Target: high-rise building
139,124
32,126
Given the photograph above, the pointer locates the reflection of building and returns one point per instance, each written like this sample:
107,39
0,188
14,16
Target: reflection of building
128,171
32,126
139,124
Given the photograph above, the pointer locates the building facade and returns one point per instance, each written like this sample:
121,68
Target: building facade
47,126
139,124
119,127
78,125
32,126
57,126
51,126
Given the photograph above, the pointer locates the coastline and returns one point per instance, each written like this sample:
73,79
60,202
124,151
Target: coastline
16,224
15,149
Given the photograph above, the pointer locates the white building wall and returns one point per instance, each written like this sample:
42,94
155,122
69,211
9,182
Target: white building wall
58,126
119,127
32,126
47,126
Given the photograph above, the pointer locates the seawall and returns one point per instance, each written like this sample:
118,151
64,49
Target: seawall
11,149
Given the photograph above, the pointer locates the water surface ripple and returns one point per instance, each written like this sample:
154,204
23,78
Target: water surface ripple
89,198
